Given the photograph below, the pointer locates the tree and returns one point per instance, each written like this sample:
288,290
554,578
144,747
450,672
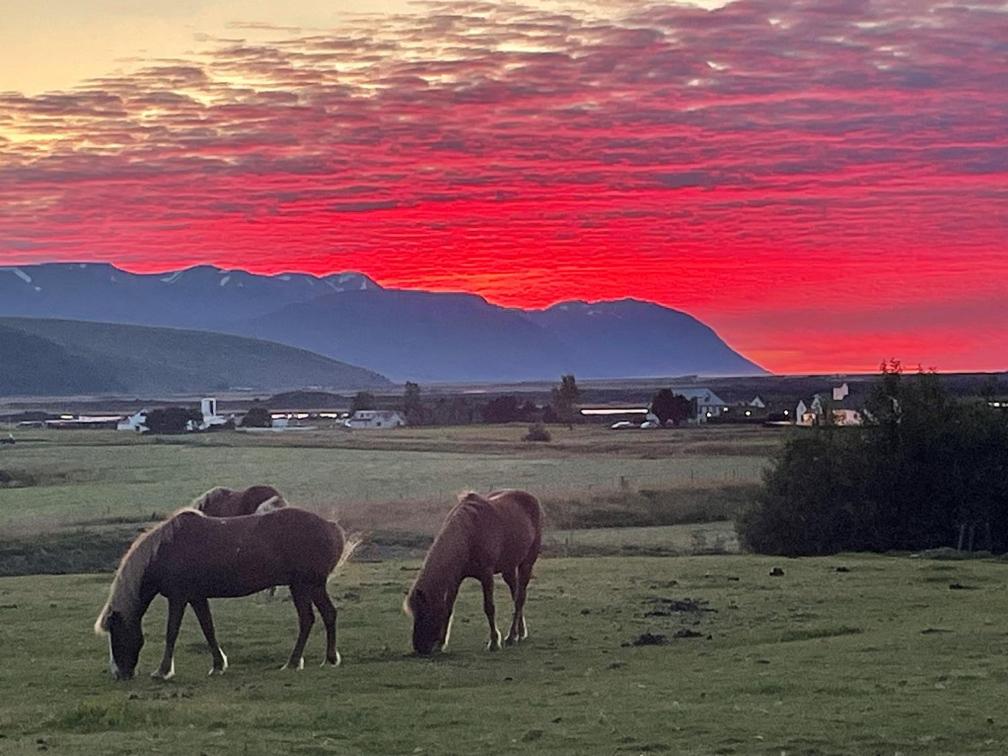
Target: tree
412,405
924,471
565,398
501,409
172,419
363,400
257,417
668,405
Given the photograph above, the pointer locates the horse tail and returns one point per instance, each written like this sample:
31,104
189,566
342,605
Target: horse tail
350,544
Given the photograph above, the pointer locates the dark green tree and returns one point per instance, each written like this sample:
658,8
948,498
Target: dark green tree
257,417
668,405
565,398
363,400
412,405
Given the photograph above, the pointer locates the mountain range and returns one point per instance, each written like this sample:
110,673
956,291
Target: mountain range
45,357
402,334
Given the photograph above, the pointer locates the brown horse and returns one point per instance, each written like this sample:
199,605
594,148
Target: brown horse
227,502
481,537
190,558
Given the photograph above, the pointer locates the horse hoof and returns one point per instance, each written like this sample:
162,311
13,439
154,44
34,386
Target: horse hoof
296,668
333,662
493,646
157,674
216,671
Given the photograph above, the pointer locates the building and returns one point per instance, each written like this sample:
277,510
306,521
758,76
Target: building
362,419
708,404
845,408
135,423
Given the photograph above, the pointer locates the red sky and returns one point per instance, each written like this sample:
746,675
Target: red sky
824,183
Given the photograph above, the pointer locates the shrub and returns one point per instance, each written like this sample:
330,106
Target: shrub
172,419
537,432
920,471
257,417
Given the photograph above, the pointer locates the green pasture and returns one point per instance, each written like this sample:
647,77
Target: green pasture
404,479
885,656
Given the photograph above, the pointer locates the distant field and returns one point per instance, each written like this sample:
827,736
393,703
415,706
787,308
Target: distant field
883,658
401,480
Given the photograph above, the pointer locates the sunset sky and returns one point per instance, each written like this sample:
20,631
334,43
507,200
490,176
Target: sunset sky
824,182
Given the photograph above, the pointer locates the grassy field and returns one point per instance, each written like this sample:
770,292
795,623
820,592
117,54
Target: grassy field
403,480
880,658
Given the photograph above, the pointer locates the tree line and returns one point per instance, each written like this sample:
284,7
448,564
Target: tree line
924,471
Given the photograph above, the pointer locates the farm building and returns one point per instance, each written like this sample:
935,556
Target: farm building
375,419
708,404
846,408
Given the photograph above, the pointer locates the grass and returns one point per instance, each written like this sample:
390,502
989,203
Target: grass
398,480
879,659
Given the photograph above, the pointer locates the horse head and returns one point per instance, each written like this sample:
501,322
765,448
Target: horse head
432,617
125,641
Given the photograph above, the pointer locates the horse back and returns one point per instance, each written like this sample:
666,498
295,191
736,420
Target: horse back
236,556
507,529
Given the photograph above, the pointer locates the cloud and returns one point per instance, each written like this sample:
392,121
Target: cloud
847,157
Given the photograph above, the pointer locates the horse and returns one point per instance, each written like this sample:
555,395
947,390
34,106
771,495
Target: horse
480,538
227,502
191,557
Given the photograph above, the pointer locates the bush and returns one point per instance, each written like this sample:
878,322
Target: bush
537,432
172,419
920,471
257,417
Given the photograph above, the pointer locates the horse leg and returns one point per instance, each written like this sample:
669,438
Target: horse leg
306,618
202,609
511,578
524,575
176,608
327,612
488,607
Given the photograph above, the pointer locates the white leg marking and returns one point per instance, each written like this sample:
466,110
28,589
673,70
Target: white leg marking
447,635
158,674
339,660
215,670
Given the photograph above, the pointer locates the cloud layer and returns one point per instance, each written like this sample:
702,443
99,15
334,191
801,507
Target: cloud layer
824,182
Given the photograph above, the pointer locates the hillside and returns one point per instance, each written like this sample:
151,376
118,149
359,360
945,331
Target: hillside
406,335
50,357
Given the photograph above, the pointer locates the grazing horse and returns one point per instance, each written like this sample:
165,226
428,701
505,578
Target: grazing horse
227,502
481,537
191,557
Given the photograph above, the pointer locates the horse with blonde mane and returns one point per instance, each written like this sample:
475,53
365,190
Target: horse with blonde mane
227,502
190,558
481,537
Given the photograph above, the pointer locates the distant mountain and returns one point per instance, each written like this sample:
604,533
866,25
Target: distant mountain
59,357
415,335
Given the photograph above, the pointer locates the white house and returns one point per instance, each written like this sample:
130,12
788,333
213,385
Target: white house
840,392
375,419
136,423
708,404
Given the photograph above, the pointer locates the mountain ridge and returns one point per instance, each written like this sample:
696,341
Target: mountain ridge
405,334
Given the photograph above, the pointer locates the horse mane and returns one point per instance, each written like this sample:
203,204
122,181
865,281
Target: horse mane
449,547
271,504
124,595
201,501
